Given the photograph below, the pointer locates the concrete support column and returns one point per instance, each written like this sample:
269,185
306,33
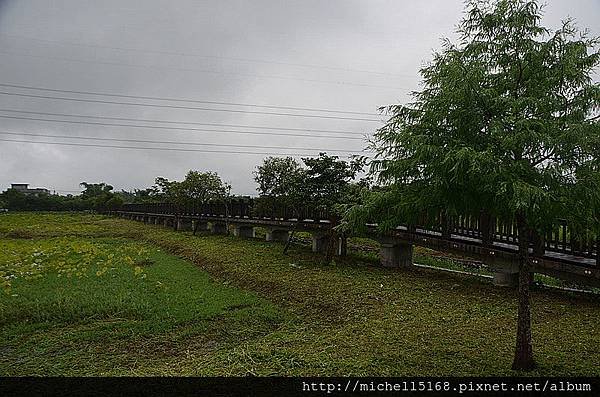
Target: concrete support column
319,242
506,278
184,224
245,231
396,254
277,235
342,246
200,226
218,228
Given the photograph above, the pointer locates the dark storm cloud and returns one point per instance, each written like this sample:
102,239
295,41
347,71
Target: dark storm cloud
230,51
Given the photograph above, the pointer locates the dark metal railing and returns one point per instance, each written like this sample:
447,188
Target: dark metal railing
487,230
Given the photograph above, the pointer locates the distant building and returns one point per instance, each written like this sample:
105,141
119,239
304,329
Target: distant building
24,188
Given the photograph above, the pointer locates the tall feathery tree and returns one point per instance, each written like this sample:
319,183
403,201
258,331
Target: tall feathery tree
506,123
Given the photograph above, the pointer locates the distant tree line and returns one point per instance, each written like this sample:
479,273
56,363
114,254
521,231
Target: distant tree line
93,197
323,182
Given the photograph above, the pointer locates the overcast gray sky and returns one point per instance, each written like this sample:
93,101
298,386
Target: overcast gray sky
339,55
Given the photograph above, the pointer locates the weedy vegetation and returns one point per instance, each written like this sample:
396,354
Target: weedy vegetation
92,295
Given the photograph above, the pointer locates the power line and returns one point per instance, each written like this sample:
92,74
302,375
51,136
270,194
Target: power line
185,100
154,148
179,128
172,142
211,56
184,122
208,56
153,105
157,67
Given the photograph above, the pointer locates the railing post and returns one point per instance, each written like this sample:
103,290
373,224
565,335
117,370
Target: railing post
485,223
446,231
539,244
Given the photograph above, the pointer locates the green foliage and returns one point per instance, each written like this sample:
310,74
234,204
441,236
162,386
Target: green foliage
114,202
94,190
324,182
279,181
197,188
279,177
14,200
327,181
99,196
138,196
95,196
504,124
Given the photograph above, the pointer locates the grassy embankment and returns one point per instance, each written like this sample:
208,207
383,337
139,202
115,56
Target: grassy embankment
237,306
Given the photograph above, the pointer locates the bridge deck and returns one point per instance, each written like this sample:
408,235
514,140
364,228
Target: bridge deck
498,254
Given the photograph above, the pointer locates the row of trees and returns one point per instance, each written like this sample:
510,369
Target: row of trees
321,182
94,196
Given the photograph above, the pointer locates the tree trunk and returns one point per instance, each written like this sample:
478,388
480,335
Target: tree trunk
290,238
523,359
332,241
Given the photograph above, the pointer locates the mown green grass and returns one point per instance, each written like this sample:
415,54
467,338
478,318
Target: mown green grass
346,318
115,319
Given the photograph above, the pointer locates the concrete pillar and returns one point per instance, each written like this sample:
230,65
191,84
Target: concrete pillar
276,235
245,231
157,220
199,226
319,242
167,222
342,246
396,254
218,228
184,224
506,278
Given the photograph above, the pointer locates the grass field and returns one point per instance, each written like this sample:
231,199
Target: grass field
92,295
